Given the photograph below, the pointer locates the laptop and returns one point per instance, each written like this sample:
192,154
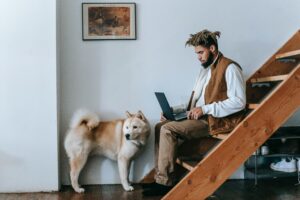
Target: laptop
167,110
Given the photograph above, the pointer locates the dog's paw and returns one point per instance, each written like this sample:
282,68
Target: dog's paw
80,190
129,188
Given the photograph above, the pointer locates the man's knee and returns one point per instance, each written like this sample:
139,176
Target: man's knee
158,127
166,130
170,127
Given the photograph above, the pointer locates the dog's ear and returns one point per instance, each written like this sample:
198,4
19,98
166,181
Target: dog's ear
140,115
128,114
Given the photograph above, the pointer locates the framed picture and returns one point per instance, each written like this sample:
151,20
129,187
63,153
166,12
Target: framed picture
108,21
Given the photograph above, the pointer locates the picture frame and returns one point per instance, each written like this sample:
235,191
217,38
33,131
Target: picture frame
108,21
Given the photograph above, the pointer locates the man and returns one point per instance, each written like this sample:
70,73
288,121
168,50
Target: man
216,106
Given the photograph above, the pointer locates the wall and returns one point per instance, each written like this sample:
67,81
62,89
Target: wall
28,96
110,77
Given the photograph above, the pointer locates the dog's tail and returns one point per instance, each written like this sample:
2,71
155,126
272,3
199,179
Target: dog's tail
85,118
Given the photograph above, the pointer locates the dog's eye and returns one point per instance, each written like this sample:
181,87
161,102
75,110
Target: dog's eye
126,127
134,127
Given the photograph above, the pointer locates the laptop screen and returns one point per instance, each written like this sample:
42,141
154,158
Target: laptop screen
164,104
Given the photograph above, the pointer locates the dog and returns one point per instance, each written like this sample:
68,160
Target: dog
118,140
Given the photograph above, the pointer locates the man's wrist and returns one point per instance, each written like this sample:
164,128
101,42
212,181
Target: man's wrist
204,109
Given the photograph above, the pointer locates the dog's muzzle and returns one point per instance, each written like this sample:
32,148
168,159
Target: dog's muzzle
127,136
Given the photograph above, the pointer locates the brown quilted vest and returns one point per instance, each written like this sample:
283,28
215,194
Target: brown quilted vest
215,91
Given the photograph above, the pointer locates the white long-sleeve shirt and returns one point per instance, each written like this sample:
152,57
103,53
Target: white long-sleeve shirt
236,92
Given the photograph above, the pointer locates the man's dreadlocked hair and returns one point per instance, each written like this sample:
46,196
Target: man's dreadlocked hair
204,38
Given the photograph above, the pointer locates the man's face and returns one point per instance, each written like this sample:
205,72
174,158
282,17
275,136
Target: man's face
205,55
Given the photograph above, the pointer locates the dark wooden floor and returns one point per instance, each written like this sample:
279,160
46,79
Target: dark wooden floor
275,189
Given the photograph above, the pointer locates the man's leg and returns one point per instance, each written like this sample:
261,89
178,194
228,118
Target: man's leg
157,136
156,149
171,136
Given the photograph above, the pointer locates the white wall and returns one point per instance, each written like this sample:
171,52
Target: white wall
28,99
110,77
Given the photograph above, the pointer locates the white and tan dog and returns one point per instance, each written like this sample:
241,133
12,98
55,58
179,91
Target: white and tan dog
118,140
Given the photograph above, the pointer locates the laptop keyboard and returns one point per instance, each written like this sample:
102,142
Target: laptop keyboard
182,115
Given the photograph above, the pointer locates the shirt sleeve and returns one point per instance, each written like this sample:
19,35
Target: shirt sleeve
236,92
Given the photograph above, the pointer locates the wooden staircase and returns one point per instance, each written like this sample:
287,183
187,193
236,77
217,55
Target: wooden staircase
273,95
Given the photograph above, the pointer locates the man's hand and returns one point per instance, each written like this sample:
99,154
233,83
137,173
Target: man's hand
195,113
162,117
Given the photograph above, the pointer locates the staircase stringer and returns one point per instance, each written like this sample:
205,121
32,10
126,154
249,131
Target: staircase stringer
252,132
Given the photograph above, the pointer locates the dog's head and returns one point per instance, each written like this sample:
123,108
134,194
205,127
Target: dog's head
136,127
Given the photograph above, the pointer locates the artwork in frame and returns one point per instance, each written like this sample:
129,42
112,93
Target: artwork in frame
108,21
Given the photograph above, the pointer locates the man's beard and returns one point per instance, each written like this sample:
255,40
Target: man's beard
209,61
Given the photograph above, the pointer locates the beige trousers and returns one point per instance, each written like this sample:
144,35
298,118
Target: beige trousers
168,136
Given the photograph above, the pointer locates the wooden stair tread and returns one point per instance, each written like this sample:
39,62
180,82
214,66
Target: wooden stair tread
287,55
269,79
252,106
187,164
220,136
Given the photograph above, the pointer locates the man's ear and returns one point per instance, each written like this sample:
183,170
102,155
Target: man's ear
213,48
